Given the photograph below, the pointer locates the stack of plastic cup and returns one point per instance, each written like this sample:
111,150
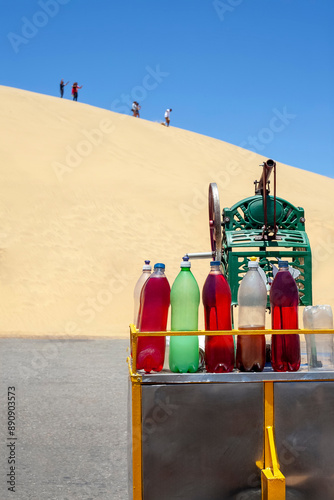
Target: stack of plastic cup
319,346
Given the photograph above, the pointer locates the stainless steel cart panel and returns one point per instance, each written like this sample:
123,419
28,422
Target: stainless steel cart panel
304,428
202,442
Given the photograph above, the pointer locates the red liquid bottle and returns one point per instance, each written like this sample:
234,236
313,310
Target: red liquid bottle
284,299
219,349
153,314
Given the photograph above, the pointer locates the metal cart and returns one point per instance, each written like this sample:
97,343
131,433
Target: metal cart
233,436
237,436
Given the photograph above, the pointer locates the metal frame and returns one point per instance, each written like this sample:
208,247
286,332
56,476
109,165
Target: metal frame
235,270
272,479
242,239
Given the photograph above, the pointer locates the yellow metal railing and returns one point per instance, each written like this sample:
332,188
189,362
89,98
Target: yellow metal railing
134,334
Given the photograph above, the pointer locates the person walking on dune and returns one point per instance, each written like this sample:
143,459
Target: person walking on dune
62,85
167,116
75,88
135,109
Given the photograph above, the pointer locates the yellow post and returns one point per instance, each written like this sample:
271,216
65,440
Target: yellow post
136,398
133,343
137,482
272,480
268,419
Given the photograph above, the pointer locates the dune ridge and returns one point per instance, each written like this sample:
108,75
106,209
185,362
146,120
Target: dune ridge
88,194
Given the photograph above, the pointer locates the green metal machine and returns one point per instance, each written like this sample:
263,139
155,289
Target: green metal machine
263,226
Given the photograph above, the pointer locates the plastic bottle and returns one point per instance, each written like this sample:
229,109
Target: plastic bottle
252,301
320,348
153,314
137,290
284,299
219,349
184,299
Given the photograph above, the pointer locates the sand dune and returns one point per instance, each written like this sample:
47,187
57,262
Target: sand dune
87,195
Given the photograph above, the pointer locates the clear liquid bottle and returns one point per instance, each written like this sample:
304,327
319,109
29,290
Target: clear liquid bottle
153,314
252,301
219,349
320,348
137,290
184,299
284,300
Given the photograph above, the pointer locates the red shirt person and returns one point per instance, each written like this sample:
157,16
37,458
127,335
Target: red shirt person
75,88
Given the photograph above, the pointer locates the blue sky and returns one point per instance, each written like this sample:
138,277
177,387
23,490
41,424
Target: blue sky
255,73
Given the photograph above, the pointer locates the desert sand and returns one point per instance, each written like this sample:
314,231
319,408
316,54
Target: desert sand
88,194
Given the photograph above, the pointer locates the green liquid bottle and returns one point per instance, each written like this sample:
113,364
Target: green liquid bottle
184,299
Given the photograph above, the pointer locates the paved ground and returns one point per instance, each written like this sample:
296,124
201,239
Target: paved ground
71,419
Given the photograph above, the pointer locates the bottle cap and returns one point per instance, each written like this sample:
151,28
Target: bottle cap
147,266
283,263
185,262
215,263
159,266
252,263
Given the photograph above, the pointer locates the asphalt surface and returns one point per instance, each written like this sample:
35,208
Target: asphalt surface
70,419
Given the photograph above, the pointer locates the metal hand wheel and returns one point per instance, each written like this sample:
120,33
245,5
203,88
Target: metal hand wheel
215,222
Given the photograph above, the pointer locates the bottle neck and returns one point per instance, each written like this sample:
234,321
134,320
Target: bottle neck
159,272
215,270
